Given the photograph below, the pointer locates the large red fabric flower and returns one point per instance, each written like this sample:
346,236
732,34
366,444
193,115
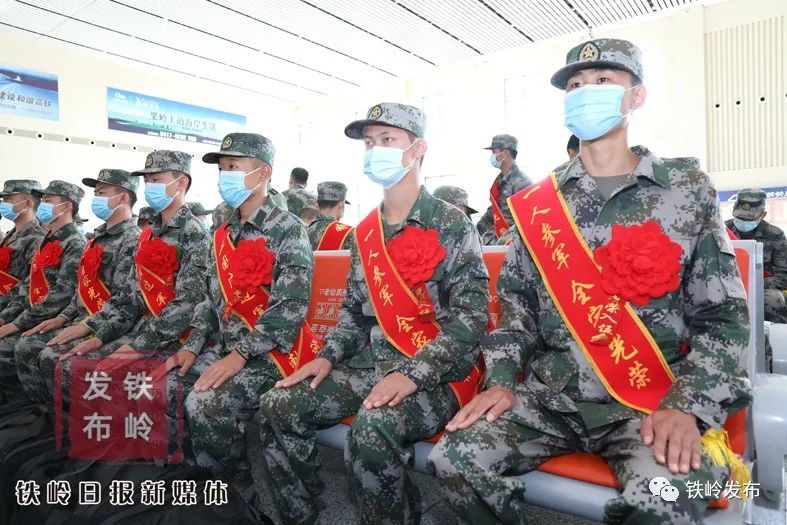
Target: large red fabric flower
158,257
91,260
640,262
252,264
5,258
49,255
416,253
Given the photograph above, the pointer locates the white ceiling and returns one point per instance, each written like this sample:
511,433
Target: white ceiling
296,50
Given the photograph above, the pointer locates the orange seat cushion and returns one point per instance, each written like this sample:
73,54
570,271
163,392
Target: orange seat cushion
581,466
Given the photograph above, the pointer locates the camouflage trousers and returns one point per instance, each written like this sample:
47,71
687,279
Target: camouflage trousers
476,466
10,387
378,451
776,306
217,419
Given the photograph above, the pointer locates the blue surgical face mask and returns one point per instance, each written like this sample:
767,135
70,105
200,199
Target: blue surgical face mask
100,207
384,165
156,195
232,186
494,161
592,110
745,226
45,213
7,211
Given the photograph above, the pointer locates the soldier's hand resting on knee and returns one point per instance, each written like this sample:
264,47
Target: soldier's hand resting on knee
391,391
220,371
69,334
675,439
89,345
318,368
46,326
184,359
492,402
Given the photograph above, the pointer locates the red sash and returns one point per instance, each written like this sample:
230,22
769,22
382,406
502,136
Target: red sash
497,214
731,234
249,306
619,347
399,313
39,286
92,291
156,292
334,235
7,281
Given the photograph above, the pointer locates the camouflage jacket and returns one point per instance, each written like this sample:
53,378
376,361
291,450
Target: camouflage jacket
278,199
278,326
774,251
510,182
458,289
708,311
117,262
23,244
317,229
125,309
62,280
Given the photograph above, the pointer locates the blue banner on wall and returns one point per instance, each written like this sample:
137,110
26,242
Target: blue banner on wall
776,192
158,117
28,93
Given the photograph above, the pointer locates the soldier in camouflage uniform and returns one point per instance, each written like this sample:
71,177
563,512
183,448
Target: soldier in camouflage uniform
146,215
118,238
509,181
456,196
298,179
199,211
30,306
277,198
331,198
749,223
220,215
19,245
304,204
227,394
396,400
562,407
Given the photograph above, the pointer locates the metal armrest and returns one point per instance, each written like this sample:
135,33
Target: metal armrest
769,416
777,336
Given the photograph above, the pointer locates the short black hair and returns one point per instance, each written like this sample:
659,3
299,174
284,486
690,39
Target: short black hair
299,175
573,143
513,153
326,204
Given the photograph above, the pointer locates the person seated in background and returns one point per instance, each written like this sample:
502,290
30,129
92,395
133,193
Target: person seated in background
748,223
51,283
104,271
621,264
326,232
497,218
456,196
393,361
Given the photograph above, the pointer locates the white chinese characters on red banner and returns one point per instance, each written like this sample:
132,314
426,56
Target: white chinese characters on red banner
120,413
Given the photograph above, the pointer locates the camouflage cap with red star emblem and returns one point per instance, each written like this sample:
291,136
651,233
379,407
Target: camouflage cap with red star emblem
610,53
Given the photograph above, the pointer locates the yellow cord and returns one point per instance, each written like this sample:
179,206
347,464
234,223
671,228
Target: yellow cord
716,444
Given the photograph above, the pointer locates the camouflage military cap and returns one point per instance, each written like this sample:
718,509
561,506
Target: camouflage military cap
608,53
393,114
19,186
166,160
198,209
114,177
332,191
299,199
147,213
62,188
454,195
749,204
243,145
79,220
508,142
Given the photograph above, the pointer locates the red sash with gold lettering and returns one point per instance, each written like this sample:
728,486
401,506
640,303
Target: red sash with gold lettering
248,306
399,313
7,281
92,291
334,235
619,347
157,291
44,257
497,214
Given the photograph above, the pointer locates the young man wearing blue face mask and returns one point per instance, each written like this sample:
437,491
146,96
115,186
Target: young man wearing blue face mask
621,297
259,277
50,285
104,271
18,246
497,218
415,307
749,222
